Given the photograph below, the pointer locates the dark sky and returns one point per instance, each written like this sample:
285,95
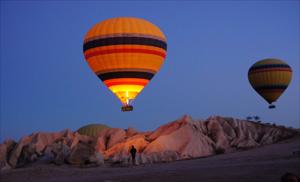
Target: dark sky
46,85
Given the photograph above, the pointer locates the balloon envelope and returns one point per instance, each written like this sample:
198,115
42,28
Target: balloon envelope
92,129
125,53
269,78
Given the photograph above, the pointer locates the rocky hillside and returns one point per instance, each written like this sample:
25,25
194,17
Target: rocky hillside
184,138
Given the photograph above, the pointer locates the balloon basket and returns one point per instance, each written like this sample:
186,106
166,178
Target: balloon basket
272,106
127,108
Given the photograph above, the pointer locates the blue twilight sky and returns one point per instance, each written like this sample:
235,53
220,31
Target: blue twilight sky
46,85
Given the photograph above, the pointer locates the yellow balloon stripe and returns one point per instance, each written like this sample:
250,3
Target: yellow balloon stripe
270,61
126,88
270,78
126,92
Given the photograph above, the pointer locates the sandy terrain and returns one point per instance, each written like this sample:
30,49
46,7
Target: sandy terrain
266,163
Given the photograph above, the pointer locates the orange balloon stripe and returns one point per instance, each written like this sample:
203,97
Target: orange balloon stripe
125,83
125,62
124,50
127,25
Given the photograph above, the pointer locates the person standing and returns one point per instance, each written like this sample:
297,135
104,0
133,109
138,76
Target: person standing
133,152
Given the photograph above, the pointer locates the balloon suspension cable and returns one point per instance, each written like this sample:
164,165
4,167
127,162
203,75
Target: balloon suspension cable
271,106
127,98
127,106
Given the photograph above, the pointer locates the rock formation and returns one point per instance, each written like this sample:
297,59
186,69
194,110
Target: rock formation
184,138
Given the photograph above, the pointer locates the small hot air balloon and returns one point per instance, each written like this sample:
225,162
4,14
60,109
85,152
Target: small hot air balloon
92,129
269,78
125,53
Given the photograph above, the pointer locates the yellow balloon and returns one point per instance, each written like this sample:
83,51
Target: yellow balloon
125,53
269,78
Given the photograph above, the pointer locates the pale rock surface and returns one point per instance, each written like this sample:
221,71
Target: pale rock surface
5,150
131,132
41,140
184,138
80,154
187,138
120,151
14,157
109,137
3,156
85,154
60,151
96,159
77,138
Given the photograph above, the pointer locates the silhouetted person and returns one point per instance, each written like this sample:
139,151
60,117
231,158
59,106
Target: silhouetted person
289,177
133,152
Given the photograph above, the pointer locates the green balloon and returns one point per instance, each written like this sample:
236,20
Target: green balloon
92,129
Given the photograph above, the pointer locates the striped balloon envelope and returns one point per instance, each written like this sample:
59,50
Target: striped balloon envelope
269,78
92,129
125,53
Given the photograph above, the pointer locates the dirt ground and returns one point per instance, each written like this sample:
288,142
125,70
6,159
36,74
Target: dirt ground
262,164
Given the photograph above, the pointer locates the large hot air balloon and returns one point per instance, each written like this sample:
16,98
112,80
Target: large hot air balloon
269,78
125,53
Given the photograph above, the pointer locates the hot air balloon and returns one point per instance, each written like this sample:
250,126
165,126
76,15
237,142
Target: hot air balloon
125,53
92,129
269,78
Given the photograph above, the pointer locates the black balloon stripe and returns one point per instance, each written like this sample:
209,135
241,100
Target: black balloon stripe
270,87
124,40
269,66
125,74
